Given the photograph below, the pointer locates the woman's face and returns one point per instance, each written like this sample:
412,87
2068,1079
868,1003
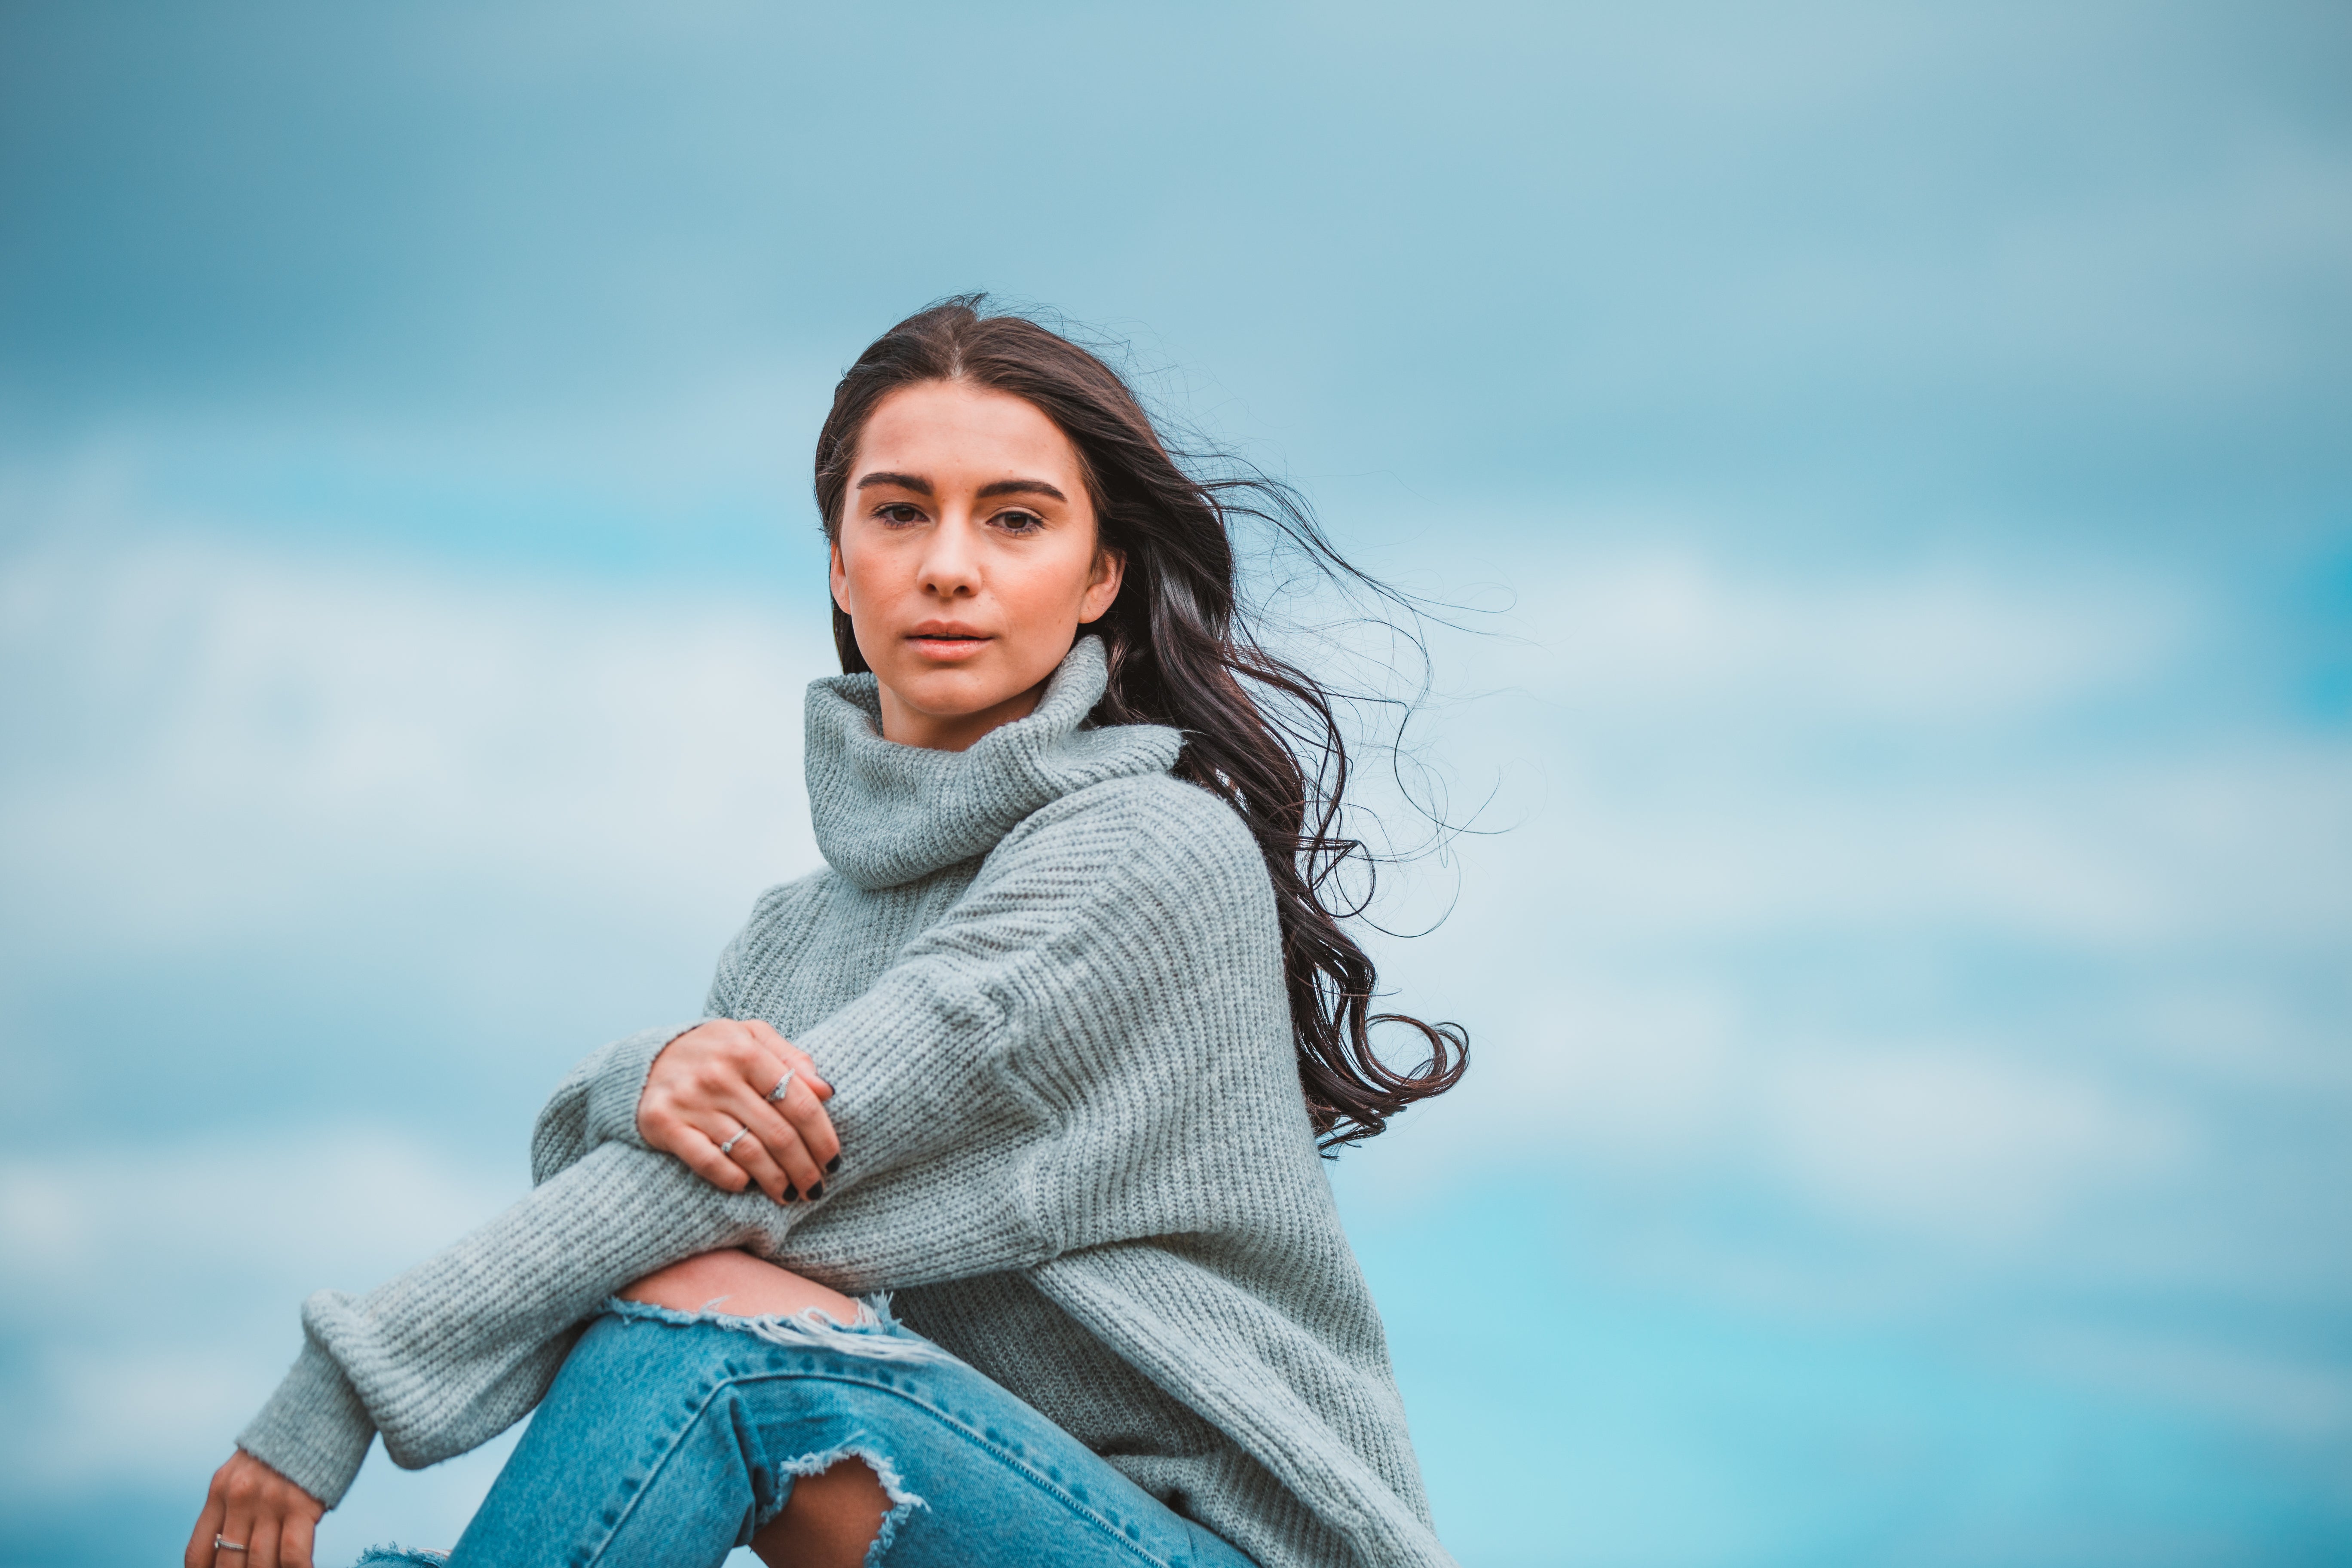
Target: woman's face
966,559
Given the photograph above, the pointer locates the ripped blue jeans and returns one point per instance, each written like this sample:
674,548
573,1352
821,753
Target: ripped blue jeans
668,1439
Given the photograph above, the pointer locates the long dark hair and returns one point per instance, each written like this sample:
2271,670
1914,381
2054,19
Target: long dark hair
1181,655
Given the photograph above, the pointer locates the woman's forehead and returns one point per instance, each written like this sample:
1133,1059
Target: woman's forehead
952,431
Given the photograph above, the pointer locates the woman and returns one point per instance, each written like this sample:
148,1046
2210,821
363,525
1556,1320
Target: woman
1047,1049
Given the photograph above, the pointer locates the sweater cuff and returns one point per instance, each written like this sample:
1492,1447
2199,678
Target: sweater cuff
314,1431
620,1083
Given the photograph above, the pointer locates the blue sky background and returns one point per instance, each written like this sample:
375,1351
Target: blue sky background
1896,460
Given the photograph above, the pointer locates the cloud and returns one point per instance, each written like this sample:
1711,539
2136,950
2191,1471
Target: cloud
1600,1072
1623,637
1956,1143
2014,749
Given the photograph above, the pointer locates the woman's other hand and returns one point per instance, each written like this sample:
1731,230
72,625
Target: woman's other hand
252,1506
713,1082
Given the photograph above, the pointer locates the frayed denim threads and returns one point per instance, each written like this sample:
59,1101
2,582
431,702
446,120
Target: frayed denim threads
875,1334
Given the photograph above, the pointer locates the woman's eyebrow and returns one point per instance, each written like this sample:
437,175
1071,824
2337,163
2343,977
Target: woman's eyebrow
915,482
1019,488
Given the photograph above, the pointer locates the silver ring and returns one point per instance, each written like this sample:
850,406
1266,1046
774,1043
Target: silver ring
222,1543
730,1143
783,1087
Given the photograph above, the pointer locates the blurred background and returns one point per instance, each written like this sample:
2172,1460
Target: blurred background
1892,462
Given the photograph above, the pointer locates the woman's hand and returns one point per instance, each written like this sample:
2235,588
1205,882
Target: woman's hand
713,1082
252,1506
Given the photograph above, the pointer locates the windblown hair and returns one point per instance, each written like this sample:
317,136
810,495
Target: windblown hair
1259,733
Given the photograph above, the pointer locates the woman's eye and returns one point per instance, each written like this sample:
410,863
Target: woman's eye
1019,522
899,512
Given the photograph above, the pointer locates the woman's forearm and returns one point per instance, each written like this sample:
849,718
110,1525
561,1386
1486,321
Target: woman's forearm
451,1352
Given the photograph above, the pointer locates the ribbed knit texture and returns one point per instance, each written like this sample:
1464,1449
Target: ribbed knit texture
1044,980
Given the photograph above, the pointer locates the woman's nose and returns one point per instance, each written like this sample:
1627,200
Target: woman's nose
951,566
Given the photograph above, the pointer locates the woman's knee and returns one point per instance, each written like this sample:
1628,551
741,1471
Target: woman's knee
738,1285
829,1521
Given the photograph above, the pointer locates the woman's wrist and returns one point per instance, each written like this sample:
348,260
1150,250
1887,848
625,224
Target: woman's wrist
314,1430
620,1082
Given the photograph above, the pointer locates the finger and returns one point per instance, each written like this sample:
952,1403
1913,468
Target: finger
294,1545
774,1125
775,1122
802,1108
667,1128
805,1065
261,1546
799,1060
720,1127
208,1524
782,1143
700,1153
784,1065
236,1525
751,1154
694,1118
749,1057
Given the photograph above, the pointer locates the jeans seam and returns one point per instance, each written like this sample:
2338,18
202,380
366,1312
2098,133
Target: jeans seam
653,1472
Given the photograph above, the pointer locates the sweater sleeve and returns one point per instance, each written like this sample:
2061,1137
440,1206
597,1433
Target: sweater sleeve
314,1431
449,1355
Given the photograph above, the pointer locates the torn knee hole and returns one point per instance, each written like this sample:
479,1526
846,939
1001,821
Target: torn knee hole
842,1498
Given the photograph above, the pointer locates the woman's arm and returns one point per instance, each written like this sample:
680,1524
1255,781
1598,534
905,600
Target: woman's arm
453,1351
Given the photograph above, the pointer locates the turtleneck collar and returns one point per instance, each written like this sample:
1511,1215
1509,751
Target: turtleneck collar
887,814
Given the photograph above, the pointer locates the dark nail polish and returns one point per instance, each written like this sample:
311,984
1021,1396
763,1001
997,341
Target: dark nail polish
792,1194
833,1164
816,1191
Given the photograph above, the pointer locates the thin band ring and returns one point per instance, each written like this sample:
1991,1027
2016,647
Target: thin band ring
783,1087
222,1543
730,1143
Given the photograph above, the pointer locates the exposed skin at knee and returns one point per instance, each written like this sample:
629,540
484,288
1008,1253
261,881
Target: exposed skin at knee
828,1521
832,1517
740,1286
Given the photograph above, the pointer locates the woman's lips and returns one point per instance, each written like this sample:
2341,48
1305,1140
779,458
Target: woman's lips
947,645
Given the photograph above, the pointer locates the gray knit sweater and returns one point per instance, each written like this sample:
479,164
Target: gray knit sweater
1045,979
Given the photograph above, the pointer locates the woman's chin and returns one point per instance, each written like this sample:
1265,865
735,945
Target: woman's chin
952,699
947,695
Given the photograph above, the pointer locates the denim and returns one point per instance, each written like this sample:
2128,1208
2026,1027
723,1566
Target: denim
669,1439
